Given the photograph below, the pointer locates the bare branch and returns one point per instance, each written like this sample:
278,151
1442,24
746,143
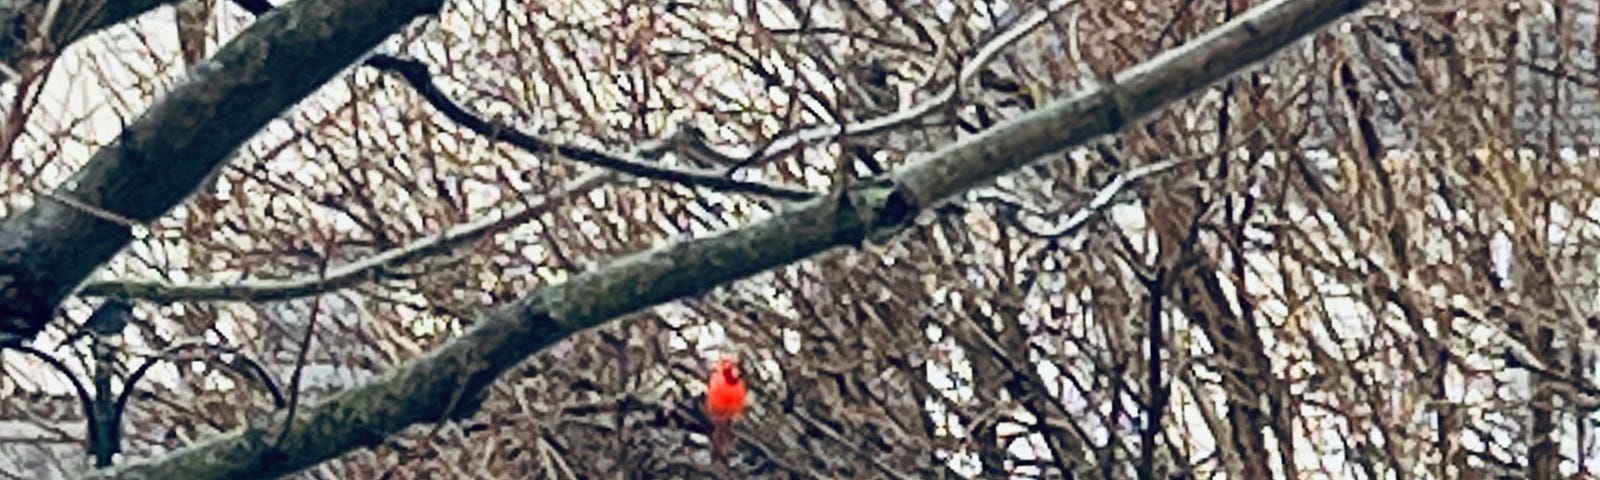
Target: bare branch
416,74
1102,199
348,275
969,71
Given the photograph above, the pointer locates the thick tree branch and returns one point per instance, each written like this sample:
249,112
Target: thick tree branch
48,249
422,390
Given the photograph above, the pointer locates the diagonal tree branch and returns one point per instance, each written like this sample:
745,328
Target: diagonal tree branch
416,74
160,159
348,275
422,390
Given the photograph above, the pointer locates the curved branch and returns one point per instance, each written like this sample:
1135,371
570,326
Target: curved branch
77,386
416,74
1102,199
347,275
278,401
423,390
259,372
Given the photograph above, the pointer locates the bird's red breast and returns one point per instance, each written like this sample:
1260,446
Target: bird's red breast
725,391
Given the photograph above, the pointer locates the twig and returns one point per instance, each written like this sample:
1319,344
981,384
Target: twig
1159,392
92,210
969,72
1102,199
305,340
170,353
831,434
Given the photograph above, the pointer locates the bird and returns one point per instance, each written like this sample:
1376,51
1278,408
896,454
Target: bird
725,401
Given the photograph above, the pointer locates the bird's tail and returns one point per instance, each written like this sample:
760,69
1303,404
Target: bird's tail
720,432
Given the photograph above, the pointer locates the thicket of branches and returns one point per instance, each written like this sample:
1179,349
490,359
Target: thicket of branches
1370,255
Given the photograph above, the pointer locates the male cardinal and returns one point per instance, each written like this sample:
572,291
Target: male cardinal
725,393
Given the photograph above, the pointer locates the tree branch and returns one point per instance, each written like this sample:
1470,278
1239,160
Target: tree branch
416,74
348,275
176,145
937,102
421,390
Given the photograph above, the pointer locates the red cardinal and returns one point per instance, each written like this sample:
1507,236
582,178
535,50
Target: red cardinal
725,393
